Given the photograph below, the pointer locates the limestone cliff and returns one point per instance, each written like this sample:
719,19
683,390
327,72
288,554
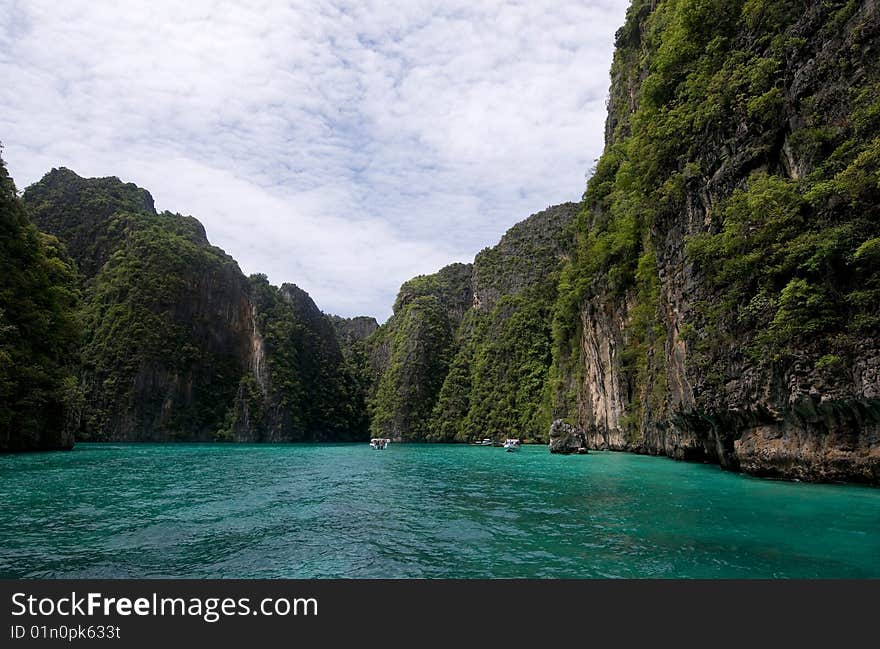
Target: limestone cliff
40,398
722,302
409,355
352,332
466,353
178,343
496,383
305,390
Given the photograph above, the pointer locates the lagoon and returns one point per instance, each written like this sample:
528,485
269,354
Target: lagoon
416,510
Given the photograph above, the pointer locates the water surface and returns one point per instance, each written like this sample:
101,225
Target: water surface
299,511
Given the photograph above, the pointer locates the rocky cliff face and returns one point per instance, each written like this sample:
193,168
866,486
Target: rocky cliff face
40,398
352,332
304,390
179,344
466,353
496,383
82,211
167,316
721,304
526,256
409,355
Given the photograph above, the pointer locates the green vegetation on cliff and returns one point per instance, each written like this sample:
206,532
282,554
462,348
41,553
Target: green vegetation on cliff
145,332
410,353
82,212
157,362
467,351
496,384
750,130
307,390
39,334
353,332
177,343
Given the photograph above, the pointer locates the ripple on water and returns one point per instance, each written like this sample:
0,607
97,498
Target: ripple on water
152,510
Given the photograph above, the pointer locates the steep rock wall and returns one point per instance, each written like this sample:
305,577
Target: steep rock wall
466,353
179,344
40,398
725,278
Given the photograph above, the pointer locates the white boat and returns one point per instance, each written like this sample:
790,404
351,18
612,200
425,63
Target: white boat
511,444
379,443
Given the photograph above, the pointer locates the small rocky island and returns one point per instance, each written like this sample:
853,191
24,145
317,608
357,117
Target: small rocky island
567,439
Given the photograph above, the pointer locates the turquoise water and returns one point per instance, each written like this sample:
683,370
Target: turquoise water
185,510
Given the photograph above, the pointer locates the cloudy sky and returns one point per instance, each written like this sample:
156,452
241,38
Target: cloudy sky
343,146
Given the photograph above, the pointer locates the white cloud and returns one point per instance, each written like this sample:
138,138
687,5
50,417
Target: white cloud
343,146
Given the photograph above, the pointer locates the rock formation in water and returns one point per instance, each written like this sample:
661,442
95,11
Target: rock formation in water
566,439
39,395
178,343
723,300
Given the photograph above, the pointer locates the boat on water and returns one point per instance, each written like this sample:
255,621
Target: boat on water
379,443
511,444
486,441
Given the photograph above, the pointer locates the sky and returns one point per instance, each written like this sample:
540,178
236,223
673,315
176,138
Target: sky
342,146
